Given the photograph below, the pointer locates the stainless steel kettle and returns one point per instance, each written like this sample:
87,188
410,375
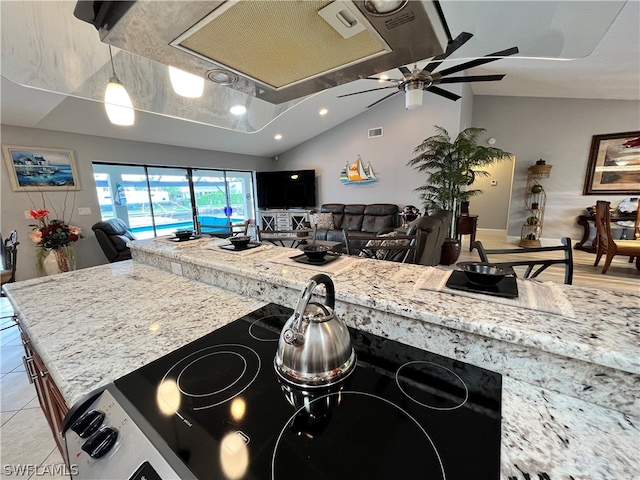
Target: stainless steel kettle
315,348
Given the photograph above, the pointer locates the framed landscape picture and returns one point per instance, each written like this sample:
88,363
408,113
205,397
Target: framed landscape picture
35,169
614,164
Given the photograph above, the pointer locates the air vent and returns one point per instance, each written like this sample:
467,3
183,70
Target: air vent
375,132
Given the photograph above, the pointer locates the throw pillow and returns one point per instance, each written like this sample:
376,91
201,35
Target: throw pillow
323,221
387,240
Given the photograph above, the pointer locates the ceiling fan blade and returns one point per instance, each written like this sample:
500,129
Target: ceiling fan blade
472,78
383,79
443,93
383,99
406,73
492,57
365,91
460,40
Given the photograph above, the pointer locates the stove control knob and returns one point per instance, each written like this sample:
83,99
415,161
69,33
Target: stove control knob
100,442
88,423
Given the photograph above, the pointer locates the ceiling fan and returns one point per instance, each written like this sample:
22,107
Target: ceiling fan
415,81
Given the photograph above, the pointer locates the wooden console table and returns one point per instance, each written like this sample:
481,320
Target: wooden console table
467,225
585,220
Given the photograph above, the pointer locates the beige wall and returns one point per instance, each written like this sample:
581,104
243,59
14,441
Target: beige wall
88,149
403,131
557,130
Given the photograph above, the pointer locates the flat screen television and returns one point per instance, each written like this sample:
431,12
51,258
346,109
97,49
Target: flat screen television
286,189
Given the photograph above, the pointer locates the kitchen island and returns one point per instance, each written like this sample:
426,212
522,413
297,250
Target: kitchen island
95,325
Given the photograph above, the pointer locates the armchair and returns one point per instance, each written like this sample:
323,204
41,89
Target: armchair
113,235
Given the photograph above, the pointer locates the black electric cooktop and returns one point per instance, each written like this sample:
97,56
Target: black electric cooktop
403,414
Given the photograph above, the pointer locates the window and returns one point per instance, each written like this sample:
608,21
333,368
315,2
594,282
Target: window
156,201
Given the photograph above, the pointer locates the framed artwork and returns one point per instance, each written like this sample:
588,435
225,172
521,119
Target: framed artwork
35,169
614,164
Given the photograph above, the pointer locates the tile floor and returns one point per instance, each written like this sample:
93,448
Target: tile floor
25,438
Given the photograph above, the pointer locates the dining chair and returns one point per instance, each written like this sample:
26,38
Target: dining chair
533,259
9,258
394,246
231,229
605,244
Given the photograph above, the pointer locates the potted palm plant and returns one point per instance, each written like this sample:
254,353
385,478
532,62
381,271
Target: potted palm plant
452,166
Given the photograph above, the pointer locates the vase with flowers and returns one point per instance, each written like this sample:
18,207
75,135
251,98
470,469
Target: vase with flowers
54,237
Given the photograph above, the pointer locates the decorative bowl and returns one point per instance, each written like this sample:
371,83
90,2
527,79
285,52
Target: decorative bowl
240,241
184,234
315,253
484,273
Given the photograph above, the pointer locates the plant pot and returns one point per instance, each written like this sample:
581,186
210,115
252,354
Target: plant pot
450,251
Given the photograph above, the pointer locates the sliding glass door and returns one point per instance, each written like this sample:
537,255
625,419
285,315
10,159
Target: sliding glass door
157,201
222,198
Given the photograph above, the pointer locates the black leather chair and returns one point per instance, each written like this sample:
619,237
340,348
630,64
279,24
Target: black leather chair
434,229
113,236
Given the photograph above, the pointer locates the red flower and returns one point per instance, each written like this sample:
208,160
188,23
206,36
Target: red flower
38,214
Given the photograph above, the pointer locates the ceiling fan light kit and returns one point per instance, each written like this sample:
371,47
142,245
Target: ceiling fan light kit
413,98
414,82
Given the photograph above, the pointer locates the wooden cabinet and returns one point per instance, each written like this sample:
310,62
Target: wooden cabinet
274,220
51,400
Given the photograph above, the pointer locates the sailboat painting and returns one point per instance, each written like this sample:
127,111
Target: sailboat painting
357,173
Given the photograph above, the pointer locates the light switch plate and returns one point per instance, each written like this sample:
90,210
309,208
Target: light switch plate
84,211
27,215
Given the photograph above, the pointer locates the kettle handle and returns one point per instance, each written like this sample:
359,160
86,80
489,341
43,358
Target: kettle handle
322,279
294,335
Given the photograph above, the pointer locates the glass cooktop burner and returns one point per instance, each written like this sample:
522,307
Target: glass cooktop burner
223,412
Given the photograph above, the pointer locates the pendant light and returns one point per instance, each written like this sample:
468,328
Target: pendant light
116,100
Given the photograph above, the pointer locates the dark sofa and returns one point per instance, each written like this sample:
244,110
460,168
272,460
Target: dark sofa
369,219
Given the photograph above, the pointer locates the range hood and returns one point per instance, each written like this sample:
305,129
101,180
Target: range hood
273,50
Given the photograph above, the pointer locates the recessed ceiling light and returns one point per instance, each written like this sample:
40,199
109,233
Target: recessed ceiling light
222,77
383,78
238,109
384,7
277,136
323,111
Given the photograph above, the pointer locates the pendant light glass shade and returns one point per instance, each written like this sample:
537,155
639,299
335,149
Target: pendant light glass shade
116,100
185,83
118,104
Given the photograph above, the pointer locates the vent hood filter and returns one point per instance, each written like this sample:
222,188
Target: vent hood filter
280,50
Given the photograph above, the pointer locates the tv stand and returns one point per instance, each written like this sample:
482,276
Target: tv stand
272,220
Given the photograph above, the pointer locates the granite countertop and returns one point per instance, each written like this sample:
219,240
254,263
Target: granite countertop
94,325
605,327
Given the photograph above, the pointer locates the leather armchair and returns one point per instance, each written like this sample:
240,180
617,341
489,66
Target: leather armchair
434,229
113,236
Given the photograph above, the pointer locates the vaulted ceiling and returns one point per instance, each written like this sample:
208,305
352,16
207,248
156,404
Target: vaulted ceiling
55,68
